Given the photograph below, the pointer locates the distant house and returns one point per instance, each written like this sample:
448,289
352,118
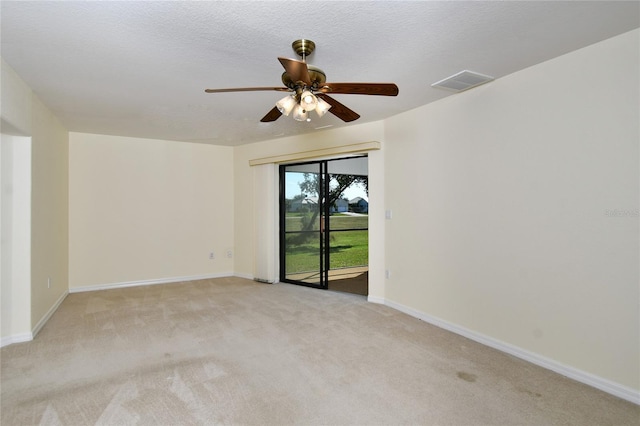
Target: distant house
359,205
303,204
310,203
341,205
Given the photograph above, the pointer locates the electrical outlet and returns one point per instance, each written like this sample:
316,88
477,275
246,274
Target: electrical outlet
229,253
212,255
387,274
48,282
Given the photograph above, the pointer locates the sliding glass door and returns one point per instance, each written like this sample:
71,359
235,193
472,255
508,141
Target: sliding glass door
324,224
304,255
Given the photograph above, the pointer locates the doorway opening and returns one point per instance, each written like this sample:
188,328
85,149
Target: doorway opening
324,236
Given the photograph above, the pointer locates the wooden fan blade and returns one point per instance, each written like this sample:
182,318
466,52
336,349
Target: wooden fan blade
297,70
383,89
339,110
272,115
247,89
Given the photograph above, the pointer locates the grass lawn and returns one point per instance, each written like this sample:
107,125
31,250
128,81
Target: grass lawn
347,248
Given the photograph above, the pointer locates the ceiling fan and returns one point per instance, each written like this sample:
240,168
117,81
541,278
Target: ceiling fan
309,91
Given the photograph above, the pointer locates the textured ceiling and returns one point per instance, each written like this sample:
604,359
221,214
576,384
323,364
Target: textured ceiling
140,68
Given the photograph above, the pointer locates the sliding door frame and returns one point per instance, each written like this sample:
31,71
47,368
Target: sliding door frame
323,211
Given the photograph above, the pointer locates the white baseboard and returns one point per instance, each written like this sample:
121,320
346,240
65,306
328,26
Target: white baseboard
148,282
376,299
245,276
48,315
16,338
252,278
27,337
592,380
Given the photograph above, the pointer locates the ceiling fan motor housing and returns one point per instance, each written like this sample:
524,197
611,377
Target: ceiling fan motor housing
316,75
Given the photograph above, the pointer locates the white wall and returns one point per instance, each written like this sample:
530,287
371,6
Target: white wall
143,210
502,202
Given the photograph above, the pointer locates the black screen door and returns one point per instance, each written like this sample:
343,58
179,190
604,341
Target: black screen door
304,244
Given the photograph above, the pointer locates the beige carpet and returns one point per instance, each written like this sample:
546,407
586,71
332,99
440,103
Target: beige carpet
232,351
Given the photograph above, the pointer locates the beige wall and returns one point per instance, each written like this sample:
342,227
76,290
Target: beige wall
49,211
502,201
15,254
37,193
142,209
15,108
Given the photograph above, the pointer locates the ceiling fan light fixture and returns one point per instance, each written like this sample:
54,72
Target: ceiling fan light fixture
299,113
308,101
322,107
286,104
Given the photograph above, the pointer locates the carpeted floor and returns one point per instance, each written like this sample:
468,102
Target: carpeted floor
233,351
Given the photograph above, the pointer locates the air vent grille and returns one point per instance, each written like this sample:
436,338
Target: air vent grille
464,80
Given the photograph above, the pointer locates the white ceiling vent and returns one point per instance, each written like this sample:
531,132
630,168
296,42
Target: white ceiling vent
463,80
